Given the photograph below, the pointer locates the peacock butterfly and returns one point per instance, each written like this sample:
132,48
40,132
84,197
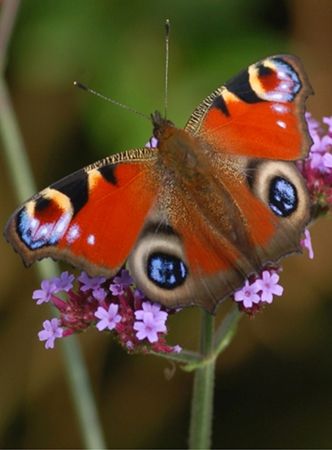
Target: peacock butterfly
194,217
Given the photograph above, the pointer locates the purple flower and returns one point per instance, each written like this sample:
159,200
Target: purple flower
320,157
152,143
154,309
313,124
138,294
99,294
51,331
177,349
129,345
306,243
86,301
269,286
321,161
120,283
248,294
327,160
149,327
90,282
328,122
317,161
108,317
43,295
116,289
64,282
149,321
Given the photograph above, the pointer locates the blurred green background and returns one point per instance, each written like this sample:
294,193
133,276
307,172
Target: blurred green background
273,385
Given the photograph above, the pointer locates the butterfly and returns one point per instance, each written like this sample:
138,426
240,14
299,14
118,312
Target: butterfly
214,203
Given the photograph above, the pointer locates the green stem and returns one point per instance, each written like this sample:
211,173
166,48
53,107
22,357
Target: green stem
185,357
226,331
21,175
8,16
202,400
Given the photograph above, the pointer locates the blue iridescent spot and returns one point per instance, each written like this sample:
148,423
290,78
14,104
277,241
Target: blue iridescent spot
24,230
282,197
166,271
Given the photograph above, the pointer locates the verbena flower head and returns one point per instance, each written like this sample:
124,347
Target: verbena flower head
113,305
317,167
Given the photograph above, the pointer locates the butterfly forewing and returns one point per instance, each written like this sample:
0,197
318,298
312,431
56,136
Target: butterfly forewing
259,113
91,218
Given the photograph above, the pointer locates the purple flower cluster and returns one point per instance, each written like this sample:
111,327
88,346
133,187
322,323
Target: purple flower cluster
258,291
317,167
108,304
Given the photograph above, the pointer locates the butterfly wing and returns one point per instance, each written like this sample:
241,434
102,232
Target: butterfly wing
91,218
248,205
259,113
199,244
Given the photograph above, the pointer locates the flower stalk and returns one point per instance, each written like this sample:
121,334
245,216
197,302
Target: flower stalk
202,401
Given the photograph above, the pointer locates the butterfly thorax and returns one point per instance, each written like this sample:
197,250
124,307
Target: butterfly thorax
178,151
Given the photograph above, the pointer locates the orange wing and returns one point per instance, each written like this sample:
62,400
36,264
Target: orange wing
259,113
90,218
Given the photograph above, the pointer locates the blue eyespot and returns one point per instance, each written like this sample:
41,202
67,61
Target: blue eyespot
166,271
282,197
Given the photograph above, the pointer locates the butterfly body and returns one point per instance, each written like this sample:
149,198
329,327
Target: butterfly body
212,204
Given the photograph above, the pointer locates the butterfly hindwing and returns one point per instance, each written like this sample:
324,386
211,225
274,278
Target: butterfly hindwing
259,113
224,233
90,218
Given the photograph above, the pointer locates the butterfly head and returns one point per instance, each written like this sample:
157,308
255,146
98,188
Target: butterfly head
161,125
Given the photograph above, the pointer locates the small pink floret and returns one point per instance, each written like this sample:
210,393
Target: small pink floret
64,282
152,143
109,318
99,294
51,331
306,243
268,285
154,309
247,295
177,349
88,282
148,328
120,283
43,295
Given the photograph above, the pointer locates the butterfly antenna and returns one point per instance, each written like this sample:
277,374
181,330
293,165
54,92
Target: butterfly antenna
108,99
167,29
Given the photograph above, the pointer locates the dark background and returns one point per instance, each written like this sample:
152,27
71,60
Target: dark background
273,385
